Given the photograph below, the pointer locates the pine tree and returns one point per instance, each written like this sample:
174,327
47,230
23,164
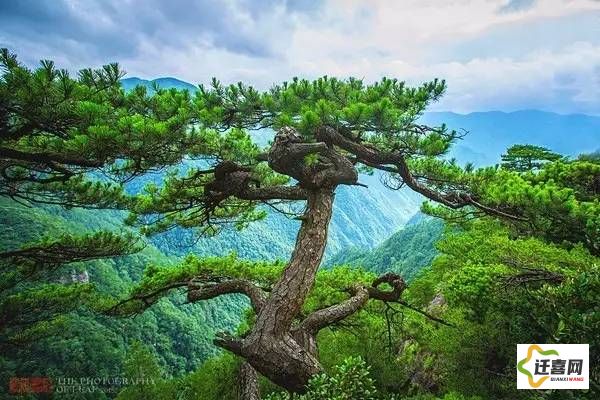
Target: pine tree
61,138
527,157
327,131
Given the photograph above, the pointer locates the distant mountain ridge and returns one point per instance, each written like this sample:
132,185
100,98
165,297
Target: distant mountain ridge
491,132
165,83
407,252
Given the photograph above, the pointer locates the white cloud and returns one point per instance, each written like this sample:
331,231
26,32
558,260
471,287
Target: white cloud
535,54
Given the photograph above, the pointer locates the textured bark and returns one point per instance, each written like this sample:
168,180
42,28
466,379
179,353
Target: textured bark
325,317
288,156
330,315
284,353
289,293
248,388
13,154
212,290
280,346
271,347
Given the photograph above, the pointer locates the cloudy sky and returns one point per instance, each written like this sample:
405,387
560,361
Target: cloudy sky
494,54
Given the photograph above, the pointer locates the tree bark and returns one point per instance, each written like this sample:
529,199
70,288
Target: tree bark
289,358
248,388
289,293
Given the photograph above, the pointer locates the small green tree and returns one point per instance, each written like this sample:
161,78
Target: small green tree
527,157
349,381
508,283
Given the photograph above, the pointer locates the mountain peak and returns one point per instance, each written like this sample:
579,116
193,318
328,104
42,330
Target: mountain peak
166,82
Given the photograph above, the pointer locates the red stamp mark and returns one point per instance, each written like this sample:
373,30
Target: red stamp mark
33,384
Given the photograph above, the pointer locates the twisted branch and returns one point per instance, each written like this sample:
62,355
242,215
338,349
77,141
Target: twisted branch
207,291
359,297
395,162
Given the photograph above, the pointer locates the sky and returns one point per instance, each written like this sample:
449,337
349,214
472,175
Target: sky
494,54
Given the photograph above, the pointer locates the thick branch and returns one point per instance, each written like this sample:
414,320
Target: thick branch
303,149
232,179
394,280
248,385
228,342
359,297
147,299
13,154
384,159
335,313
274,193
63,252
208,288
288,154
211,290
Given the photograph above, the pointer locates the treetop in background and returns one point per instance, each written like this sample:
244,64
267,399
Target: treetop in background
524,158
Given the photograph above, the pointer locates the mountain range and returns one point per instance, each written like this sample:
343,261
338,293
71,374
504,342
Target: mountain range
489,134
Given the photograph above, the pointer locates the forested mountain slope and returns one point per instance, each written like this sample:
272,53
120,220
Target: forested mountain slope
406,252
362,218
97,344
180,334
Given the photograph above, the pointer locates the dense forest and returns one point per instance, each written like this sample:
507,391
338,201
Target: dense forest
219,242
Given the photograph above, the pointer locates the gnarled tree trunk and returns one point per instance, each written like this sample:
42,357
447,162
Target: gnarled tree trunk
271,348
279,346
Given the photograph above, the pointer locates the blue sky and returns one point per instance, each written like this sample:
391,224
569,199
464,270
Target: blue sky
494,54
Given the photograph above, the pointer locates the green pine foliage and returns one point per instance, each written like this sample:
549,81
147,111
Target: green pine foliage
77,340
349,381
500,291
524,158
